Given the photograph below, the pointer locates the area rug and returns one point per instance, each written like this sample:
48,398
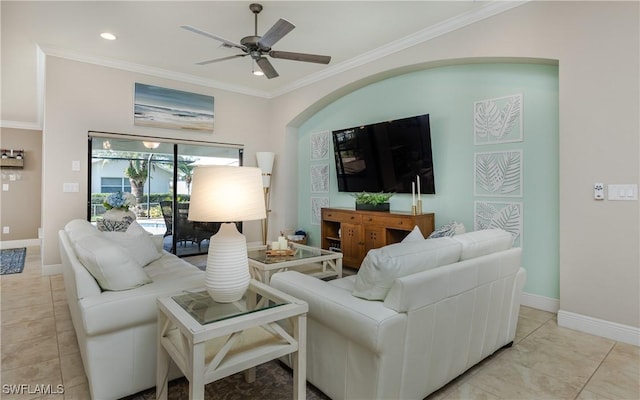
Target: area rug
12,260
274,381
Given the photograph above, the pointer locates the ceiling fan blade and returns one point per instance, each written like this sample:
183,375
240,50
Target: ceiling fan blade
220,59
287,55
267,68
224,41
275,33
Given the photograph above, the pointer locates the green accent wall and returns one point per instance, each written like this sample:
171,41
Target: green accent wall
448,95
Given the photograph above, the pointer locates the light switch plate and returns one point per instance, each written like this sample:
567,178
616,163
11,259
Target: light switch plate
623,192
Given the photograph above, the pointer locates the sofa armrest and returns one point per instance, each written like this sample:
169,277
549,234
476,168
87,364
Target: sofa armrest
113,311
118,310
368,323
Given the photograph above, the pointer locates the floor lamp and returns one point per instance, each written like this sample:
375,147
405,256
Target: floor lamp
265,163
225,193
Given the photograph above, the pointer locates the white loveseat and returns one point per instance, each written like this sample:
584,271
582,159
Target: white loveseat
116,330
445,304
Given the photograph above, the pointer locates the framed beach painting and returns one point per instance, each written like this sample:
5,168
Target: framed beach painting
159,107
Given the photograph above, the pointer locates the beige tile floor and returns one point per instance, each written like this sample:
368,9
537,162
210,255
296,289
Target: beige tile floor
39,347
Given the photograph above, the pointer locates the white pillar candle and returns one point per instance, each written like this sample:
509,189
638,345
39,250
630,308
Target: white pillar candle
283,242
413,193
275,245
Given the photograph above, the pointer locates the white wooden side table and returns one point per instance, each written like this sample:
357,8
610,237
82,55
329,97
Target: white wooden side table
306,259
209,341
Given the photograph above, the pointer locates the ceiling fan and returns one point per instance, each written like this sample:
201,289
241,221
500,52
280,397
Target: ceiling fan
259,46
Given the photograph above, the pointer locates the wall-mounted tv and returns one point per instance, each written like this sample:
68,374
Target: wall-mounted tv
385,156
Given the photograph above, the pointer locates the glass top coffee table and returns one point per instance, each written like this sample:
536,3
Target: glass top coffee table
306,259
209,340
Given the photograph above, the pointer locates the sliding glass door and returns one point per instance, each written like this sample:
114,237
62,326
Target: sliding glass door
158,174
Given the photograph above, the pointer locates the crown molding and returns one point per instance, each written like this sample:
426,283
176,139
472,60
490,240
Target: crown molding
56,51
444,27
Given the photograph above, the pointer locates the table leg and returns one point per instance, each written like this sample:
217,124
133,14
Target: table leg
196,380
163,361
250,375
300,358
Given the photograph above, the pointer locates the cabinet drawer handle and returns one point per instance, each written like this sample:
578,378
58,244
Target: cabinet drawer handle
352,217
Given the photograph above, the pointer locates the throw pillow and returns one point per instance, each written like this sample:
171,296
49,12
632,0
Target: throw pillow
137,243
80,228
448,230
111,266
382,266
414,236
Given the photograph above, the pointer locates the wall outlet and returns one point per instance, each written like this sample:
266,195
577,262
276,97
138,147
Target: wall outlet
5,229
598,191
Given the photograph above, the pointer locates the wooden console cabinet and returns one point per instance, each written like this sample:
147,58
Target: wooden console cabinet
356,232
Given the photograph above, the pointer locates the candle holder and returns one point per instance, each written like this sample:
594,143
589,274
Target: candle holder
414,210
419,207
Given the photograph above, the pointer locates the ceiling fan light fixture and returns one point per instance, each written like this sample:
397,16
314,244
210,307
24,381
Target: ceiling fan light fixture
151,145
254,70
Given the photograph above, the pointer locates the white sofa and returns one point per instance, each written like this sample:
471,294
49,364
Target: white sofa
445,305
116,330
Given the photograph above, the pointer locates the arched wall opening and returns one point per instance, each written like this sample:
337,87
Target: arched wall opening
448,90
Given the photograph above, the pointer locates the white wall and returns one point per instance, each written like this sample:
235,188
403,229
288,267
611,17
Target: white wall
83,97
597,46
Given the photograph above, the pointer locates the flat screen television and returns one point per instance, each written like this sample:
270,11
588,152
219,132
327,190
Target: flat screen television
385,156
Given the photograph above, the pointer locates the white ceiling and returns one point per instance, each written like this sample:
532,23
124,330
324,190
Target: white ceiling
150,38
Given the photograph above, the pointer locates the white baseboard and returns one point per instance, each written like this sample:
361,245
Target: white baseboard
13,244
599,327
540,302
583,323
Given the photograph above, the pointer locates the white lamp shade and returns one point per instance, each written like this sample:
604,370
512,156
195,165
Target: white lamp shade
265,163
225,193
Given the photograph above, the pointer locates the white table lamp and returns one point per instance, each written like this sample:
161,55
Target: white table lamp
227,194
265,163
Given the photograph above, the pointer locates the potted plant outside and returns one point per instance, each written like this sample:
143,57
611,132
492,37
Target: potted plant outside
372,201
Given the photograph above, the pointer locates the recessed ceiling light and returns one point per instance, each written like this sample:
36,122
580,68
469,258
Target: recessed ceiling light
108,36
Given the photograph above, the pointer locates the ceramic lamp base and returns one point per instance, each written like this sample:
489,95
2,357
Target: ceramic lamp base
227,275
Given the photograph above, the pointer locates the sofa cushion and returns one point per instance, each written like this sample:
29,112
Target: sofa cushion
111,266
483,242
382,266
136,242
